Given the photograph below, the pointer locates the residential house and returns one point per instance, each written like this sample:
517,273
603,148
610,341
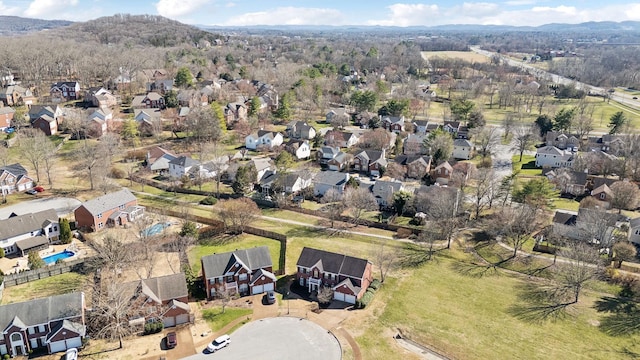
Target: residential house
152,100
634,231
182,116
6,117
606,143
287,183
568,181
116,208
442,173
462,149
420,126
594,182
267,94
564,224
414,144
325,180
65,91
327,153
100,120
463,132
191,98
23,233
46,118
263,140
157,159
334,113
580,226
161,86
181,166
235,112
243,272
417,166
363,118
342,139
13,95
163,298
393,123
452,127
551,156
603,193
370,161
53,324
263,166
349,277
339,162
100,97
146,115
300,130
562,140
298,148
14,178
383,192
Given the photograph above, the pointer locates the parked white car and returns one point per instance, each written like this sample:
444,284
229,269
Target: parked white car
71,354
219,343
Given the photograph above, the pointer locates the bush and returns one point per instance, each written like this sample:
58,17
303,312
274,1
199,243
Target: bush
209,200
153,328
1,253
375,285
365,300
6,356
117,173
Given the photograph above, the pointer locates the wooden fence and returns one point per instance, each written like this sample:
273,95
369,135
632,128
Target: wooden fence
30,275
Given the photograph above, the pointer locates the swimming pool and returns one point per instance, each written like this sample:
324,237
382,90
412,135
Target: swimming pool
51,259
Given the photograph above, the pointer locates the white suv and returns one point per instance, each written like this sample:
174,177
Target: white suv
219,343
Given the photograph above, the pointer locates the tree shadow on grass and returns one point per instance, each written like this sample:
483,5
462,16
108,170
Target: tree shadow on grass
305,232
540,302
415,256
474,270
623,316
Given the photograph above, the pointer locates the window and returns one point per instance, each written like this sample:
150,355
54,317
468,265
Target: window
121,207
99,216
41,328
32,330
243,277
316,273
100,225
55,227
602,196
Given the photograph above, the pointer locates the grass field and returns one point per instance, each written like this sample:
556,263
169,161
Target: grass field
53,285
217,319
527,167
463,55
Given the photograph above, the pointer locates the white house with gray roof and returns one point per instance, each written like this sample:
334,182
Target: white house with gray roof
551,156
326,180
245,272
263,140
22,233
55,323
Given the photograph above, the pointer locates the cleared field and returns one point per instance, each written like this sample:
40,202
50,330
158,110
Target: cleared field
463,55
54,285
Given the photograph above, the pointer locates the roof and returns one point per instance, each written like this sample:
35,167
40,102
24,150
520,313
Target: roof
634,223
371,155
328,150
184,161
599,181
564,218
260,273
409,159
269,134
6,110
153,96
552,150
15,169
24,224
444,165
108,201
462,142
65,83
602,189
261,163
415,138
43,310
382,187
67,325
332,262
354,289
219,264
32,242
333,178
163,288
157,152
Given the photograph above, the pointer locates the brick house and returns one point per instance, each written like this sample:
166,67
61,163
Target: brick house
341,139
46,118
417,165
164,298
152,100
6,117
65,91
117,208
414,144
14,178
54,323
442,173
349,277
300,130
16,95
603,193
393,123
245,272
370,161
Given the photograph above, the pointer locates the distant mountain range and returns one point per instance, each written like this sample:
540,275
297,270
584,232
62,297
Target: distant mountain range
15,25
12,25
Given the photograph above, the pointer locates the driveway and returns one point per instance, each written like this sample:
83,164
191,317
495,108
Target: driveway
63,206
282,338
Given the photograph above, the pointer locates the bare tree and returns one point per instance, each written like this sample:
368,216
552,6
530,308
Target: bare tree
334,205
48,158
524,138
33,144
386,259
581,265
4,155
358,201
626,195
624,251
515,225
238,213
224,295
484,191
111,309
88,159
325,295
486,140
441,205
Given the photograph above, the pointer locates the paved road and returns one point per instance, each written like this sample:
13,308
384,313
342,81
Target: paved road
62,206
501,157
282,338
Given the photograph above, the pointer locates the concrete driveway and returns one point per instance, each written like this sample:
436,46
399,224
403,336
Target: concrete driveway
282,338
62,205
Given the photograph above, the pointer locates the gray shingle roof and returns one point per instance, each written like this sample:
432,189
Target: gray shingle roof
184,161
32,242
331,178
254,258
167,287
108,201
44,310
23,224
333,263
15,169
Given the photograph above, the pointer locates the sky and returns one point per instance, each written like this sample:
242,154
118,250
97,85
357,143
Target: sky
331,12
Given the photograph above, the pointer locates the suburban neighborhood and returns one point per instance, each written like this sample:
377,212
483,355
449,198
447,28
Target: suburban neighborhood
377,199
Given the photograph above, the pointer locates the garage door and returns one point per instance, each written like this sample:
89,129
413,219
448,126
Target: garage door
57,346
268,287
338,296
350,299
258,289
182,319
74,343
169,321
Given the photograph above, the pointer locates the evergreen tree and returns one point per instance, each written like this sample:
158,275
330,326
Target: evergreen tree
219,114
184,77
284,111
35,261
65,231
171,99
562,120
616,122
254,106
544,123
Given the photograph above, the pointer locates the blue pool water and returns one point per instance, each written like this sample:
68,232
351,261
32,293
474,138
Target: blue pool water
51,259
154,229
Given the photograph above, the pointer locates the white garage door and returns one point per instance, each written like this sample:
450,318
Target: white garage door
182,319
350,299
74,343
169,321
57,346
338,296
258,289
268,287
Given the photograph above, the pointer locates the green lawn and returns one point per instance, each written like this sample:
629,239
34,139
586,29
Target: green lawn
244,241
527,166
470,317
53,285
566,204
218,320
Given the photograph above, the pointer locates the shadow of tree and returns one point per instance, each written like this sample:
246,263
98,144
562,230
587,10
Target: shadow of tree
474,270
623,315
540,302
415,256
303,231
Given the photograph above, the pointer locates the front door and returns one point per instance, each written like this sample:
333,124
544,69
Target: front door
17,343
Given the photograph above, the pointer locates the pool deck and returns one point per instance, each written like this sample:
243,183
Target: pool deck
11,265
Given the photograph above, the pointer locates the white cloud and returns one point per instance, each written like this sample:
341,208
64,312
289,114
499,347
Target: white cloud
230,5
178,8
289,16
409,14
8,10
520,2
49,9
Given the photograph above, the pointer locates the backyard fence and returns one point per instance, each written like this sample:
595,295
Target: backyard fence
30,275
